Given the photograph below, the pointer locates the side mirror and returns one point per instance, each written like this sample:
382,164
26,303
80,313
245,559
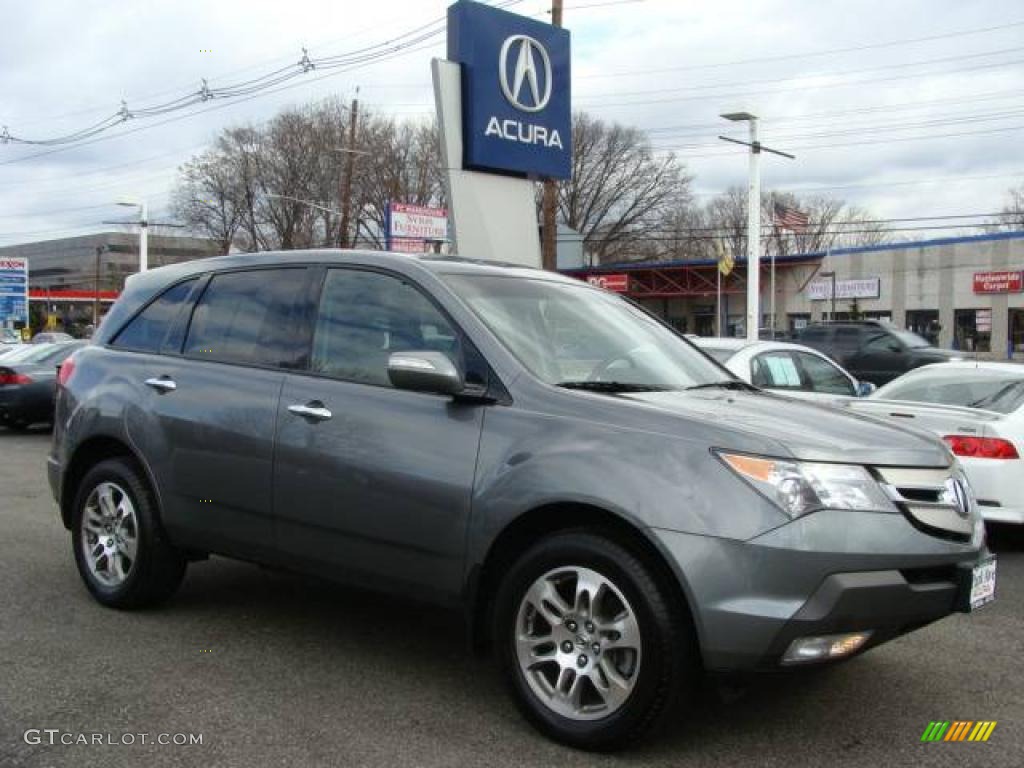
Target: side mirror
424,371
865,388
895,346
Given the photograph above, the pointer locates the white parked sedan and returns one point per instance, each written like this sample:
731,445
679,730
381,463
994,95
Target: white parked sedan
789,369
978,409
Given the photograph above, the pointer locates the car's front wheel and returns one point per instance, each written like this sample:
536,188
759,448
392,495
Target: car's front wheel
119,548
593,646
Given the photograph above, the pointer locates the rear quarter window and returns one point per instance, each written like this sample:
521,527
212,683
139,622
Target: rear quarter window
148,331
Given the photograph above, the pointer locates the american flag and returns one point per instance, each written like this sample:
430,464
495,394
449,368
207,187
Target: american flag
790,218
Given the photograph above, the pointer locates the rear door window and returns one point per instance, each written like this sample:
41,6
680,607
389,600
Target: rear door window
775,370
251,317
149,329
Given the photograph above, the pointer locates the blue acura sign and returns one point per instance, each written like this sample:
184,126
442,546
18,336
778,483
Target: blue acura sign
516,111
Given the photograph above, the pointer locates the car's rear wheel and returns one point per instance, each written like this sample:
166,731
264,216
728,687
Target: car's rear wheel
120,551
591,642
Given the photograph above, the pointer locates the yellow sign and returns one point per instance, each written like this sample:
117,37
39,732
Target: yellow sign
724,257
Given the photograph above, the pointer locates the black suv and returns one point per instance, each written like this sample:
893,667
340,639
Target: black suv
873,350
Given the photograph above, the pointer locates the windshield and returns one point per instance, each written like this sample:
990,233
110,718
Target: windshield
991,390
566,334
909,338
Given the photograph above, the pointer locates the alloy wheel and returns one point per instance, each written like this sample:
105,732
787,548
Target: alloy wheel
578,643
110,534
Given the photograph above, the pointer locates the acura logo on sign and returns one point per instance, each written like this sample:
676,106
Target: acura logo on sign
520,57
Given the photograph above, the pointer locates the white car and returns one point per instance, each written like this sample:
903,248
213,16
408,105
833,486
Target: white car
978,409
789,369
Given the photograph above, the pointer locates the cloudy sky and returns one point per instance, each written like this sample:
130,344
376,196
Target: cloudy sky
912,108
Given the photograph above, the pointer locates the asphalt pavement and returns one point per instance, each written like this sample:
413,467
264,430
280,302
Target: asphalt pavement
273,669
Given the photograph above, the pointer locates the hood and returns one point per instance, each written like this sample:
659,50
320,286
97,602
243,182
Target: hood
802,429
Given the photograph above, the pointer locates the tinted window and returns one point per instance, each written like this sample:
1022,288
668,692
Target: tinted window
775,370
847,337
814,333
881,342
249,317
823,376
149,328
365,316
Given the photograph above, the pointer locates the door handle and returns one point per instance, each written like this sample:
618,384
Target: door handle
162,384
314,411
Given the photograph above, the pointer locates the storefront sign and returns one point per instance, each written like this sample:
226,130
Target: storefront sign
865,288
983,320
615,283
515,91
999,282
415,228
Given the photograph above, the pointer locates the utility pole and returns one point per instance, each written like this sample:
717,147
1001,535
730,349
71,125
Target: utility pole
346,178
96,297
753,219
549,204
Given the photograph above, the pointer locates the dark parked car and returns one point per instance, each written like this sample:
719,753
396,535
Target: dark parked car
872,350
27,383
613,511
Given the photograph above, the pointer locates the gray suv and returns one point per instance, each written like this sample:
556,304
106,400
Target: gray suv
614,512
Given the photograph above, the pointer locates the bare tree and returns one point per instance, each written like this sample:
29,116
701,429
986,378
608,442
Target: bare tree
1011,217
620,192
209,198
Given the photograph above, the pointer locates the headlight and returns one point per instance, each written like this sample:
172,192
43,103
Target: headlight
799,487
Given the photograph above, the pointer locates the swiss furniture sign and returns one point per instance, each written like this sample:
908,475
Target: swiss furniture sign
13,292
999,282
865,288
616,283
415,228
516,114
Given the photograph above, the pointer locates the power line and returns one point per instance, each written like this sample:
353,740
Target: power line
811,54
345,62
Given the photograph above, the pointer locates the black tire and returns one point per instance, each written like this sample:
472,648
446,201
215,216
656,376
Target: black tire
158,567
669,670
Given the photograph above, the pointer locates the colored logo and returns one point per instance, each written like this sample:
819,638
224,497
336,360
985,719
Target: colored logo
958,730
528,51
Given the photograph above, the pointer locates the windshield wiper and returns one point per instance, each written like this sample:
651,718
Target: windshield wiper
725,384
610,386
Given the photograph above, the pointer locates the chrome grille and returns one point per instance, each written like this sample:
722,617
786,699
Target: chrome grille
937,499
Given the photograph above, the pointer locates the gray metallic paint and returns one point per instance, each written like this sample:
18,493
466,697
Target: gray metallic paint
405,489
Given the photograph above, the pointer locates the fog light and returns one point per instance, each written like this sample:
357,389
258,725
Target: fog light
823,647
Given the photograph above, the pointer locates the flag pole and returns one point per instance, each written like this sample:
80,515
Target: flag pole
718,300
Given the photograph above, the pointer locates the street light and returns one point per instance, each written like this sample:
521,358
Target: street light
132,202
753,221
753,225
832,294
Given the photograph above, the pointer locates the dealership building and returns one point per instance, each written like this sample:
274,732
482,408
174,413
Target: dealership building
961,293
66,276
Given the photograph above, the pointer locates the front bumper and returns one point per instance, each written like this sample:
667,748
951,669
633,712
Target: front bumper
826,573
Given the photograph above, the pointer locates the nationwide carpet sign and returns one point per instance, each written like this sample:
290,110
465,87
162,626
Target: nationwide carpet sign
516,114
1011,281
